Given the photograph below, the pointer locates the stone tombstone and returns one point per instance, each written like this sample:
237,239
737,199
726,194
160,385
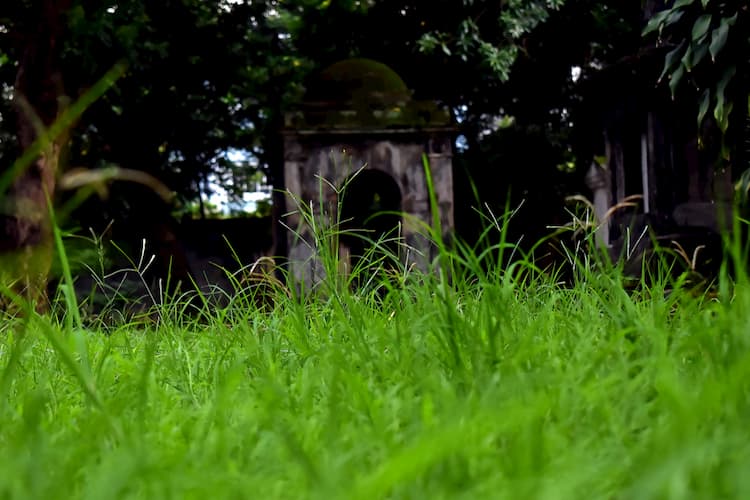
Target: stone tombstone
353,158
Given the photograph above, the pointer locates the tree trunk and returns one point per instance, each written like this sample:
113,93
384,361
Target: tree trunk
25,230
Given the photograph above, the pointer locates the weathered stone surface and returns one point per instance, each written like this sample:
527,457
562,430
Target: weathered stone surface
366,130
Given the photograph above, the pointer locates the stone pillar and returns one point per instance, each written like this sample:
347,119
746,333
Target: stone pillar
598,181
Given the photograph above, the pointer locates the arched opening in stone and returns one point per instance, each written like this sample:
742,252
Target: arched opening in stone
370,221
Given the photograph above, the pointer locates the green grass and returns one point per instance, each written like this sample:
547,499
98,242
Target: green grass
475,382
505,385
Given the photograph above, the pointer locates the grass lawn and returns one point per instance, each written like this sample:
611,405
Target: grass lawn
490,389
497,383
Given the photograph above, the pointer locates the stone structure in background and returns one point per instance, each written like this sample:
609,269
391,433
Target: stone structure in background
649,149
354,148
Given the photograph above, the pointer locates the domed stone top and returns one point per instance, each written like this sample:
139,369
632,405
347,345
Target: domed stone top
357,82
362,94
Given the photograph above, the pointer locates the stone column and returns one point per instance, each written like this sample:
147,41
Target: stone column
598,181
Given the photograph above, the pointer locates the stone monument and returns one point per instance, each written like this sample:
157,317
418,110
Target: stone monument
355,151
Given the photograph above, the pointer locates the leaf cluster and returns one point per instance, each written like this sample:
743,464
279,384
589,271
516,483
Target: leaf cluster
707,47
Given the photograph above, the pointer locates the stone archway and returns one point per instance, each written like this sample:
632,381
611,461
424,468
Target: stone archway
371,213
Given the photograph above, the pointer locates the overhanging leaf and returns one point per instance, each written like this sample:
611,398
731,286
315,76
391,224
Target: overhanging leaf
718,39
701,25
672,58
742,187
725,79
703,106
687,58
723,107
682,3
721,115
698,55
655,22
674,79
673,17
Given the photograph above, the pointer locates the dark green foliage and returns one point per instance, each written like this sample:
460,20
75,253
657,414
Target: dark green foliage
706,60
